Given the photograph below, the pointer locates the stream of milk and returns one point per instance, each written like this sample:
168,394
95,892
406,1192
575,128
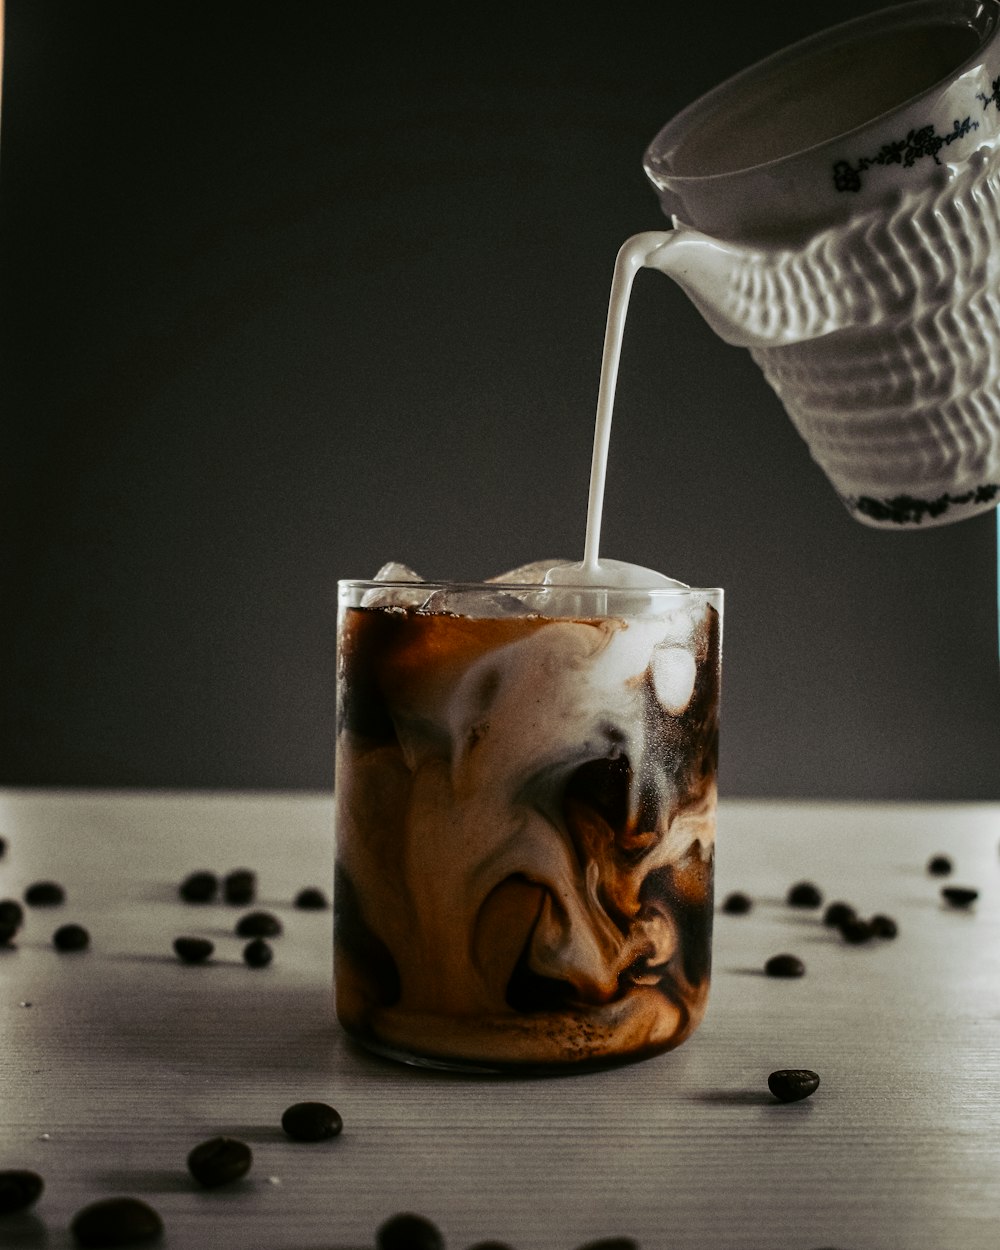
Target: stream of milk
592,571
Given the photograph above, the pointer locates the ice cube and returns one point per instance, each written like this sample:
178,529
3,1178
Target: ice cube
395,571
533,574
475,603
395,595
674,672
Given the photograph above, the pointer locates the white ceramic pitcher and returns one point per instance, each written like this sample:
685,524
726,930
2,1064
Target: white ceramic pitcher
836,210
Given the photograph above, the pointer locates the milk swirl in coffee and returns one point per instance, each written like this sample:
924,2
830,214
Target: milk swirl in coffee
525,797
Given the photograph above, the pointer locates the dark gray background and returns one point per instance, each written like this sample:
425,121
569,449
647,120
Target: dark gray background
287,293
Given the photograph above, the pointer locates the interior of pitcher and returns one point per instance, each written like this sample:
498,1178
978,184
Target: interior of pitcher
828,85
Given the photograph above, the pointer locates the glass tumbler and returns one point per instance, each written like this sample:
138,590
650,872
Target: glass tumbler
525,803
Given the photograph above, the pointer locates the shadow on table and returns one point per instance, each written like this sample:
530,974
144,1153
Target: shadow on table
227,1015
27,1232
736,1097
24,1231
149,957
145,1180
260,1134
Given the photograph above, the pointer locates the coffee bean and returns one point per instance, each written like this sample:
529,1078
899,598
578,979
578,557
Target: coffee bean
116,1222
883,926
939,865
18,1189
785,966
44,894
8,932
199,887
407,1231
611,1243
258,924
958,896
3,847
855,930
311,1121
11,913
805,894
311,899
193,950
71,937
737,903
792,1084
240,886
258,953
837,913
219,1161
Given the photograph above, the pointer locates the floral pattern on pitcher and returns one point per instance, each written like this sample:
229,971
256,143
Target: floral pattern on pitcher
906,152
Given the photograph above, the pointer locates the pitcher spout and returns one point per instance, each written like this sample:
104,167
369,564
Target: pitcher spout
757,296
879,336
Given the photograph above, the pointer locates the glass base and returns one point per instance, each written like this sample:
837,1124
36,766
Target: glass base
480,1067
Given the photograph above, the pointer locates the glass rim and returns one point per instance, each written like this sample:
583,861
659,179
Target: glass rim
472,587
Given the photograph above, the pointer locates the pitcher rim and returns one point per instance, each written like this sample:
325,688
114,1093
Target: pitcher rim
664,178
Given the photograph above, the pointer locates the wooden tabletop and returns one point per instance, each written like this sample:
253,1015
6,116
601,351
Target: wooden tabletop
117,1060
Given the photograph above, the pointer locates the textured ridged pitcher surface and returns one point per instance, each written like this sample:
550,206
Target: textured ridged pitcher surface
836,210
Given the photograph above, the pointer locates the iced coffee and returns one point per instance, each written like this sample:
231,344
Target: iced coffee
525,819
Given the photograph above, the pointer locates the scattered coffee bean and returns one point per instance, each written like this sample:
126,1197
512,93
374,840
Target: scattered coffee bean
11,913
792,1084
8,932
311,899
958,896
3,847
258,953
737,903
219,1161
71,937
258,924
18,1189
193,950
116,1222
805,894
407,1231
883,926
785,966
611,1243
44,894
199,887
311,1121
856,931
837,913
240,886
939,865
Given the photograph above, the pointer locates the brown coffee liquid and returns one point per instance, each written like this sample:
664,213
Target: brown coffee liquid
525,832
